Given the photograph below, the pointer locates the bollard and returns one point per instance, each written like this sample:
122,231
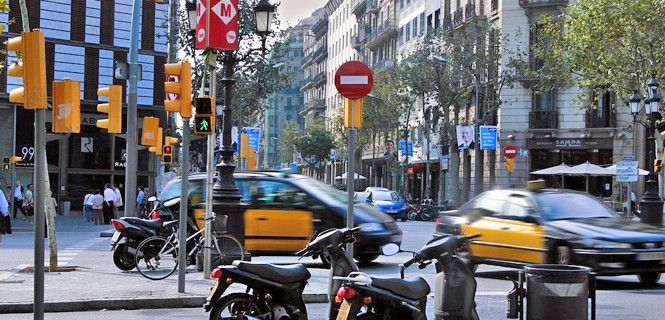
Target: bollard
558,292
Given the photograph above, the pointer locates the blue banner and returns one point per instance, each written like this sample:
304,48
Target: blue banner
488,137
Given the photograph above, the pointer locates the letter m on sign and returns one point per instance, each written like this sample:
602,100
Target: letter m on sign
223,25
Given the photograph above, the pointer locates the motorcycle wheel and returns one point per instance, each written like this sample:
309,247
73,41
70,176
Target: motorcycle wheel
235,305
122,258
412,215
426,216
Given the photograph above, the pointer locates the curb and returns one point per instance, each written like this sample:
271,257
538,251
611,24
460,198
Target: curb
128,304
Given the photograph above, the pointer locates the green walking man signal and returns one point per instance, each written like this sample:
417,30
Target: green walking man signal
6,164
204,119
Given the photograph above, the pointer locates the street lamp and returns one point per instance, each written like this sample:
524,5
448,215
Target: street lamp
264,13
478,165
190,5
651,204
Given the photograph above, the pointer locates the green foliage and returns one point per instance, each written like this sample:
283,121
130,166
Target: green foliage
287,145
594,43
314,147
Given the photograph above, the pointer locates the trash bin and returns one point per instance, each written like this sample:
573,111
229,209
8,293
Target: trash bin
556,292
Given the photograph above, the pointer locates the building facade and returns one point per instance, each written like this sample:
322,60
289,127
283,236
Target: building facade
83,40
315,46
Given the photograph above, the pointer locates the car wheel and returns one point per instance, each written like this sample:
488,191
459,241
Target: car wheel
365,258
649,279
561,254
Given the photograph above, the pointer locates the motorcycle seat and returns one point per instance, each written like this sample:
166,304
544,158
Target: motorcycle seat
280,274
414,288
150,223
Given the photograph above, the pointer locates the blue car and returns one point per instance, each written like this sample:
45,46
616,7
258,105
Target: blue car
389,202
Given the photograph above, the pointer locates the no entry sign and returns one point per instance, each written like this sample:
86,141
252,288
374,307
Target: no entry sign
354,80
217,24
510,151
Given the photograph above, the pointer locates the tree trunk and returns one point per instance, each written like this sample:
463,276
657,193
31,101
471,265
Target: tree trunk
492,168
50,220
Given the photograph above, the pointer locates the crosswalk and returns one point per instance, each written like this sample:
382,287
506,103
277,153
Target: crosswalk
68,254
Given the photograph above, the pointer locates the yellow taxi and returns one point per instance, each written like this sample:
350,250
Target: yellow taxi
519,227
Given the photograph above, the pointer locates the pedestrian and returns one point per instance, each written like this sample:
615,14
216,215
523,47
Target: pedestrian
8,194
87,206
109,198
633,204
117,203
29,204
5,222
139,201
97,201
18,199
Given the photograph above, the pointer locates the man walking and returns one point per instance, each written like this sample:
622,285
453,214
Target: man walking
139,201
18,199
109,198
117,203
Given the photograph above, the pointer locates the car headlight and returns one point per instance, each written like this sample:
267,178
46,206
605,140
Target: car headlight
602,244
370,227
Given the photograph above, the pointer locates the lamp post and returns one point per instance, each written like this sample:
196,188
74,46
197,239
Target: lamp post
651,204
478,165
226,196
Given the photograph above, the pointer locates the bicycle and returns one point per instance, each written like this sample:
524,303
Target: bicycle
157,256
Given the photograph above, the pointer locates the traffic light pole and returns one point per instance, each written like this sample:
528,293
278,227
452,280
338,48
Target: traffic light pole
210,168
182,223
40,217
131,138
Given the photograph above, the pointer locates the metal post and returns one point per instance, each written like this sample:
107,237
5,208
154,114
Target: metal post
184,200
40,161
230,192
350,177
131,136
651,205
210,168
13,175
478,165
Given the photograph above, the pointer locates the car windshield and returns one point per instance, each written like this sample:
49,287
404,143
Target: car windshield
316,187
563,206
172,190
361,196
385,196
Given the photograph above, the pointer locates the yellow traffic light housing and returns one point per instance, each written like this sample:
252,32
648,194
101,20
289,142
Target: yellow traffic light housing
30,47
150,131
66,106
168,140
157,148
114,108
15,159
204,120
167,154
182,87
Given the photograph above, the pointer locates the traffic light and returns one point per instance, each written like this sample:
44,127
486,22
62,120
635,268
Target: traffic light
157,148
167,150
204,120
150,131
182,87
66,106
30,47
114,108
353,113
15,159
657,166
6,164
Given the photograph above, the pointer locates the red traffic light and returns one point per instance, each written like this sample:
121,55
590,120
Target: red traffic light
167,149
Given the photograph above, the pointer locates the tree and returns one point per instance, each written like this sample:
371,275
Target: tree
314,147
287,145
602,44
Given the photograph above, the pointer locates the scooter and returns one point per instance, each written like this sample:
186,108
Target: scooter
129,232
368,298
275,292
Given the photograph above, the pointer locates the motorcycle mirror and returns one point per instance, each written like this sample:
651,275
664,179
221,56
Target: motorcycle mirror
390,249
152,199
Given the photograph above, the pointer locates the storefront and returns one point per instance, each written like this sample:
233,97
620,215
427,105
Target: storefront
549,152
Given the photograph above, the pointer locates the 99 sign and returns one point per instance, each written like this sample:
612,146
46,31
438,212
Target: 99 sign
28,153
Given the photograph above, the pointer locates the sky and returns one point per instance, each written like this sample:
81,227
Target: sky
290,11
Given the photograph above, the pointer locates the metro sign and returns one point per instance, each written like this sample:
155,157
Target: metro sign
217,25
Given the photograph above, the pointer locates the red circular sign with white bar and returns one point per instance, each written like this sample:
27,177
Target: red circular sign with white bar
354,80
510,151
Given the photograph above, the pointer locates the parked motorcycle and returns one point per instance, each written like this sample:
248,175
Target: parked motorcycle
427,212
368,298
129,233
275,292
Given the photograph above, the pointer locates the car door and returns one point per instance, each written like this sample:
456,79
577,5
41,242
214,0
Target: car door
277,220
484,220
522,236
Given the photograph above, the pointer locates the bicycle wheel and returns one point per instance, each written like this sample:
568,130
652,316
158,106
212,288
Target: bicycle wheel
226,249
156,258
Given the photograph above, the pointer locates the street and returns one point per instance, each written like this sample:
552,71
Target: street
80,245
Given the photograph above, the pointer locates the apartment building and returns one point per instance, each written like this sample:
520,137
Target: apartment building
315,46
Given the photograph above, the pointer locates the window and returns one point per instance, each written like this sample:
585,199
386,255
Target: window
517,208
489,205
277,194
544,101
408,32
422,22
414,26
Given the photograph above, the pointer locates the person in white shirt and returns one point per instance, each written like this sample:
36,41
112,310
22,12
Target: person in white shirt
87,205
117,203
98,206
5,223
109,198
18,199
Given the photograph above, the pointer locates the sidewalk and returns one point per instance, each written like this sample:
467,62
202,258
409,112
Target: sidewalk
97,284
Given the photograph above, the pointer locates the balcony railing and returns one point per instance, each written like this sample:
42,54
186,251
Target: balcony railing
357,6
386,64
385,30
542,3
595,120
458,17
544,119
319,79
470,10
447,23
372,6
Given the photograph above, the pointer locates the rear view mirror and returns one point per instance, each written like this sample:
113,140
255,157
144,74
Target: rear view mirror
390,249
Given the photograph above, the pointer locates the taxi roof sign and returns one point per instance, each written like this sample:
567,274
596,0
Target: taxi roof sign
535,185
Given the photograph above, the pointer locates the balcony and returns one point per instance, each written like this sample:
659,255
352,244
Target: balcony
358,41
596,120
447,23
307,83
357,7
544,119
386,64
383,32
314,107
470,10
320,27
319,79
458,17
372,6
527,4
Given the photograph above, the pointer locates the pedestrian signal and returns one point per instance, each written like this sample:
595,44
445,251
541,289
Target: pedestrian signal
6,163
204,120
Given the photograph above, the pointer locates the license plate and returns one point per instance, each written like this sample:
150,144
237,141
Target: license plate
650,256
344,310
212,291
115,237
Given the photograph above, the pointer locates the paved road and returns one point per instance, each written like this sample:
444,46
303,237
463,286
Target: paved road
618,298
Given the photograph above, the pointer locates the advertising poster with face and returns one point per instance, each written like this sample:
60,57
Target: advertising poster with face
465,137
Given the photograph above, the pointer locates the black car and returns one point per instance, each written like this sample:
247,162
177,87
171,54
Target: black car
520,227
285,210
